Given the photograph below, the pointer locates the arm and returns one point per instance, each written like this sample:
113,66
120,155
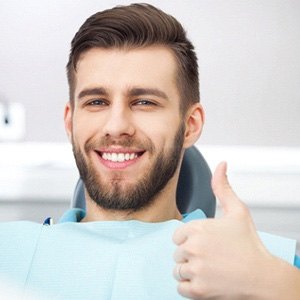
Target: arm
225,259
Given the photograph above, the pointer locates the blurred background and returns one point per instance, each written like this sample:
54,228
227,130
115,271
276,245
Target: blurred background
250,76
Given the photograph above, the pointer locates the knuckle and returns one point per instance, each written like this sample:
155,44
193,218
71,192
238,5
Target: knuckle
191,248
198,227
243,212
177,234
187,250
194,225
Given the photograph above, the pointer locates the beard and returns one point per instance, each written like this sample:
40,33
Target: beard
141,194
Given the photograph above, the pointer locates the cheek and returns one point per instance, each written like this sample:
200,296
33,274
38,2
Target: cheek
161,131
82,130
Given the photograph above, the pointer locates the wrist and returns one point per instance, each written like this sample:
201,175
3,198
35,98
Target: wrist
278,281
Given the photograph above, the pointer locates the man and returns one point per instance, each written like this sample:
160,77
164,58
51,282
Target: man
133,110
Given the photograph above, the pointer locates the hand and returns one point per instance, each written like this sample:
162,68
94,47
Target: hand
224,258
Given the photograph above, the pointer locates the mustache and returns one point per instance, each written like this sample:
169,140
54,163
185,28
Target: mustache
126,142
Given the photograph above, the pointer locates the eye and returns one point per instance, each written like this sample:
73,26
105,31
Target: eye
144,102
97,102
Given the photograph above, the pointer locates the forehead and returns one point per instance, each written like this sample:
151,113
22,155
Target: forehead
118,69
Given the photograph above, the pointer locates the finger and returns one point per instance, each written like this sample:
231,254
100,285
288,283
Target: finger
181,272
179,256
184,289
229,201
181,234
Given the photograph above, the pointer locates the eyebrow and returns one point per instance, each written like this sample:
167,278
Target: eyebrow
147,91
92,92
134,92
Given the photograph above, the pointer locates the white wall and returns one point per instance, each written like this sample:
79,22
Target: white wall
248,54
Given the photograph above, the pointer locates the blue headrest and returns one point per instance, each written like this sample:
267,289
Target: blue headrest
194,184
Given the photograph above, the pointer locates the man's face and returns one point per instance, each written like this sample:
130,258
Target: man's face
126,127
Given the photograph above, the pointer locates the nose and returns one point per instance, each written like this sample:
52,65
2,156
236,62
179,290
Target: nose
118,122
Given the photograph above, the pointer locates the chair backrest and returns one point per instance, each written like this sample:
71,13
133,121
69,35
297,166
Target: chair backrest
193,190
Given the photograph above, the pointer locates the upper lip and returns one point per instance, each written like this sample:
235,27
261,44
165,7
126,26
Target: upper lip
119,150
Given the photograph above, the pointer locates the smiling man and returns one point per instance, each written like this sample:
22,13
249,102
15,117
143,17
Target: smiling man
133,110
128,131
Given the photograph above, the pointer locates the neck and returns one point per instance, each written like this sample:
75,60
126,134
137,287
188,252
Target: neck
162,209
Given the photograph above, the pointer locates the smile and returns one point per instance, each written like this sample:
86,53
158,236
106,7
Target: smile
118,157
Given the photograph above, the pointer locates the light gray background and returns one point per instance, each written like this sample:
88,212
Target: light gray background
248,55
249,69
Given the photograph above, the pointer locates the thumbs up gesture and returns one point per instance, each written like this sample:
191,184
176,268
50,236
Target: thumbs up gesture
224,258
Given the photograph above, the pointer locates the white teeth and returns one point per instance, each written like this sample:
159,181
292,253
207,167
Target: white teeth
119,157
114,157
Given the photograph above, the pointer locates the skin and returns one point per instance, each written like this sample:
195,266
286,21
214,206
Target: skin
119,111
229,273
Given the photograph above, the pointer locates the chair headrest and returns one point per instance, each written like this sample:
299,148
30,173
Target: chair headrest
194,184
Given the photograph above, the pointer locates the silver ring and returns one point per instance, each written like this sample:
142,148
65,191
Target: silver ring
178,275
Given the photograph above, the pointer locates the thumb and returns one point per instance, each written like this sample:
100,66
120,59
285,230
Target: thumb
229,201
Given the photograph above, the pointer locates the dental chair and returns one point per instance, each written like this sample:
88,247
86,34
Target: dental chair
193,190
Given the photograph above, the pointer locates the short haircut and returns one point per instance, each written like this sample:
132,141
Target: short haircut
137,26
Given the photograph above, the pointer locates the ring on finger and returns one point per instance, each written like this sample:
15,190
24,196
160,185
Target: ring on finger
178,274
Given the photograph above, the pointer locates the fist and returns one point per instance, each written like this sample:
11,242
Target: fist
220,258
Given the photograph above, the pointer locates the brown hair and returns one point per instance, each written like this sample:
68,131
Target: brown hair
138,25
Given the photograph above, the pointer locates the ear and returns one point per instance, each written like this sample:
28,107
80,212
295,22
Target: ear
194,121
68,120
